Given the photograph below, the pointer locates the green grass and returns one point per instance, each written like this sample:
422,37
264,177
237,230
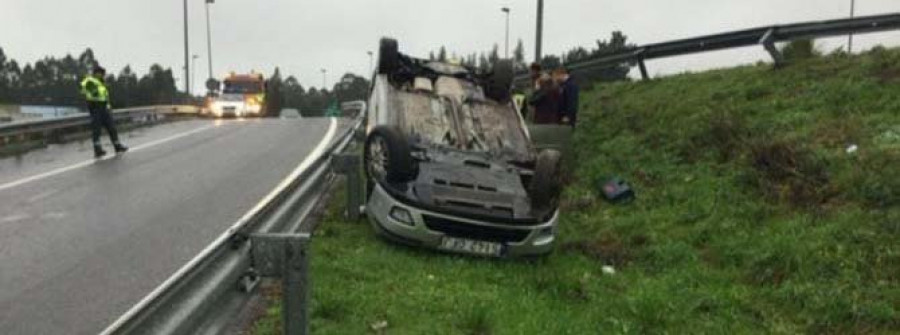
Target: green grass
750,218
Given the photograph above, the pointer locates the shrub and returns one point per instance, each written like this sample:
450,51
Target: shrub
800,50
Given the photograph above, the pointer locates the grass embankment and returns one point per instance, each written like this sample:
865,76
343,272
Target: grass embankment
751,217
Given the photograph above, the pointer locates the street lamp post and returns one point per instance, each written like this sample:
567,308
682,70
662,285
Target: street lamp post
187,79
209,38
324,79
852,14
371,62
506,10
194,70
539,38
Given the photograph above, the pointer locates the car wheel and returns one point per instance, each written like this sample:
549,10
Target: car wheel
500,81
388,156
546,184
388,56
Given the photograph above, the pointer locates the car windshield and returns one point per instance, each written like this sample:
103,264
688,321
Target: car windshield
242,87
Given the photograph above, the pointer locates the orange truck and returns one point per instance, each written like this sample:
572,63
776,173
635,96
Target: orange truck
243,95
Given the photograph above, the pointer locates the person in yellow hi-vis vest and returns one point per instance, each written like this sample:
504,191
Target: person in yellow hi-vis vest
93,87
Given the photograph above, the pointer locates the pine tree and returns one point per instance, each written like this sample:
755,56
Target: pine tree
442,54
519,54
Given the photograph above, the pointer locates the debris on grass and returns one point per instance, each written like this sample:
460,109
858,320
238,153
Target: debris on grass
379,326
608,270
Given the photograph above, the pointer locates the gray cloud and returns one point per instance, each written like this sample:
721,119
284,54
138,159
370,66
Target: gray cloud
303,36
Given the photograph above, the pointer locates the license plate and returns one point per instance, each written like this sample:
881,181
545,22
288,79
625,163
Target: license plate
472,247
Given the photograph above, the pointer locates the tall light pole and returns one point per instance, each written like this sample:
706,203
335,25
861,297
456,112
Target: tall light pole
506,10
371,62
324,79
539,39
187,79
194,70
852,14
209,38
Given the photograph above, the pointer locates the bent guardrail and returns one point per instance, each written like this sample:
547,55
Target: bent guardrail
205,294
764,36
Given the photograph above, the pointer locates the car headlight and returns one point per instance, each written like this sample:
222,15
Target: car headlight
402,215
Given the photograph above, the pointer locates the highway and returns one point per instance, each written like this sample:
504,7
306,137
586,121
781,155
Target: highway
81,241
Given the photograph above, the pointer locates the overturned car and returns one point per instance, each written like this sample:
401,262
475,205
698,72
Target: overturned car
449,161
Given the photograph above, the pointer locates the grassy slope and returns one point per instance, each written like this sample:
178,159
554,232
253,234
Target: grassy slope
751,218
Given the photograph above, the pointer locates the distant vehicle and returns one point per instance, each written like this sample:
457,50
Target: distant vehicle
290,113
450,163
243,95
352,109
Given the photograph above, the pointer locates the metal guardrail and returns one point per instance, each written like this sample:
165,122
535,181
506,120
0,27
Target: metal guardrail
205,294
765,36
49,126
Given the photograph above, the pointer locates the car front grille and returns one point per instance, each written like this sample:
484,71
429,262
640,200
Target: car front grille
470,231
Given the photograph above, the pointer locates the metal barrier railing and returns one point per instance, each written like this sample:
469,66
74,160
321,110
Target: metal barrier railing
53,128
765,36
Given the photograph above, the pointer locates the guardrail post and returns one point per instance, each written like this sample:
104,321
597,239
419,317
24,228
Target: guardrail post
348,165
768,42
287,256
643,67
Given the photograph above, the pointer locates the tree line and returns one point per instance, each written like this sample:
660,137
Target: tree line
484,61
56,81
289,93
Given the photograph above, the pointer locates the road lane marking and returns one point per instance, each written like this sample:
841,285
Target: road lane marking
14,218
183,271
90,162
42,196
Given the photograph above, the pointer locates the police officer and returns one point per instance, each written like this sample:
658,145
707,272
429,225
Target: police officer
95,92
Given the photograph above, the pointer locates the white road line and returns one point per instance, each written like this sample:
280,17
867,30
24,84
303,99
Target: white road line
86,163
183,271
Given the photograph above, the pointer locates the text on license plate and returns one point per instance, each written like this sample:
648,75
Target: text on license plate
472,246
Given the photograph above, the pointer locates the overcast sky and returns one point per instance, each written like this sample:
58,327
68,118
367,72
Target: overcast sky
303,36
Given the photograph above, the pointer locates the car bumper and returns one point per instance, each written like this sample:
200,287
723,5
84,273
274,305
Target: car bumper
235,111
429,229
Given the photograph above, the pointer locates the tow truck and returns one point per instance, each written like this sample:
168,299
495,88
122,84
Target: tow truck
243,95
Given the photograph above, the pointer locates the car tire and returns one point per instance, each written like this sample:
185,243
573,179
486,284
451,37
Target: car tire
388,157
388,56
546,184
500,82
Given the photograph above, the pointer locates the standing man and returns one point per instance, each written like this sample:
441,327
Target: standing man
546,101
93,87
569,99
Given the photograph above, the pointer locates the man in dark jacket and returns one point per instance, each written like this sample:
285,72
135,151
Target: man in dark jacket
545,101
568,105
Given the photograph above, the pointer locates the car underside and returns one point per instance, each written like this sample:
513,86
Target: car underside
445,141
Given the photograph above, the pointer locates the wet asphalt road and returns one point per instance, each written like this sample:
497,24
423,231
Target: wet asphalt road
80,247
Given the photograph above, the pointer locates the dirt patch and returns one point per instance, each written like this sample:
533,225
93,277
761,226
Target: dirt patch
888,76
725,133
608,249
839,132
785,172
